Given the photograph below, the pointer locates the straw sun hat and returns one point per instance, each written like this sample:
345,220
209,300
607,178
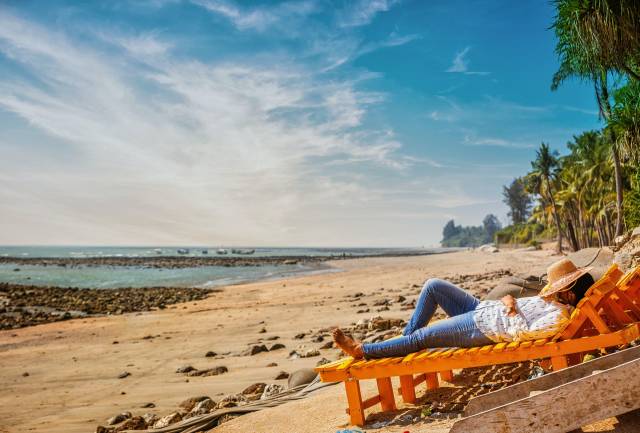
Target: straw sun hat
561,276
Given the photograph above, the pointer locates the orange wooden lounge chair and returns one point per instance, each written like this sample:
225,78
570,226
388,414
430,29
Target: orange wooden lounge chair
608,316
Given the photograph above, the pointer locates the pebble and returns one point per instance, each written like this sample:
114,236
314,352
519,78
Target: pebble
124,374
166,421
300,336
277,346
117,419
254,350
203,407
148,405
189,403
210,354
281,375
185,369
272,364
310,353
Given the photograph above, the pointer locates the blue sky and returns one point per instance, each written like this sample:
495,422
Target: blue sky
321,123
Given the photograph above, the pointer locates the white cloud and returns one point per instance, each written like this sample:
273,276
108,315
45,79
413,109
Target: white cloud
460,64
496,142
362,12
257,18
185,151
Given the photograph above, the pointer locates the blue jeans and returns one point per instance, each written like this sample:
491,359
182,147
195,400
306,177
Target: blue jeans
459,330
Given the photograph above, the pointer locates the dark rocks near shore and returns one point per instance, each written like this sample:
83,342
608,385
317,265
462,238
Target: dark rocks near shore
24,305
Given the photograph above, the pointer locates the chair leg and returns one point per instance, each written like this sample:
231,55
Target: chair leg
432,381
407,389
354,397
385,388
447,375
559,362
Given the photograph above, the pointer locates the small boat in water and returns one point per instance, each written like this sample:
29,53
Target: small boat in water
242,252
183,250
222,251
205,251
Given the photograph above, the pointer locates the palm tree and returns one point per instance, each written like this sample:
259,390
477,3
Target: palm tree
544,171
605,32
579,26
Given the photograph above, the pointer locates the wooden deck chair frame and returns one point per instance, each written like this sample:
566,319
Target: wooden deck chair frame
589,329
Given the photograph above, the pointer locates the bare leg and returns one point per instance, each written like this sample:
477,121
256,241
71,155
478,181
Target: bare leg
347,344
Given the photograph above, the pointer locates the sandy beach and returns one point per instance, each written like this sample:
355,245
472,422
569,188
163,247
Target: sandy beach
63,377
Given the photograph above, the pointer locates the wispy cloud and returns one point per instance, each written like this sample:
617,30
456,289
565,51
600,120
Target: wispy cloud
168,151
460,64
496,142
257,18
362,12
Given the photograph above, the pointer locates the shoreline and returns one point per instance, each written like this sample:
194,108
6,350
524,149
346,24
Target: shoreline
174,262
70,370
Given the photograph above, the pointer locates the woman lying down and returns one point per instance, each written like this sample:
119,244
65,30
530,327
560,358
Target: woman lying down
472,322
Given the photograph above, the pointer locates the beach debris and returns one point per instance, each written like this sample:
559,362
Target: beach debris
277,346
270,390
272,364
124,374
318,339
210,354
254,350
273,337
262,331
150,418
232,400
380,302
300,336
227,417
399,298
148,405
254,392
117,419
281,375
25,374
167,420
215,371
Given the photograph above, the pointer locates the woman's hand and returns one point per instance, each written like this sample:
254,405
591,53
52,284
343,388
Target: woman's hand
510,302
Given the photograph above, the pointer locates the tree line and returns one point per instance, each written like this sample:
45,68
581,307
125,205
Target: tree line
591,195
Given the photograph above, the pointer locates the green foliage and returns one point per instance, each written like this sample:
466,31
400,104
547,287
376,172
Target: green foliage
470,236
521,234
632,203
625,119
518,199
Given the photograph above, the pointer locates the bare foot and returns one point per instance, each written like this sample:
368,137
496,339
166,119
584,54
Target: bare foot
347,344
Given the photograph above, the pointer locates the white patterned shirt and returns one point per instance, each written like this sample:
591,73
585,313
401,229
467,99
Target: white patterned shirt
536,318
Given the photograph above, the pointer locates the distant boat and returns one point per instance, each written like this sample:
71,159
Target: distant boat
158,251
205,251
222,251
243,252
183,250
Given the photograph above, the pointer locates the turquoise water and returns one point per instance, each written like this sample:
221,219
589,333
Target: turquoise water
194,251
101,277
134,276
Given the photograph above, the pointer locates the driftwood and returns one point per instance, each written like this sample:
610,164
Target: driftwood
601,395
524,389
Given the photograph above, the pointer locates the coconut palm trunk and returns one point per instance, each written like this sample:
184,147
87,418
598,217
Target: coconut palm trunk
556,216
